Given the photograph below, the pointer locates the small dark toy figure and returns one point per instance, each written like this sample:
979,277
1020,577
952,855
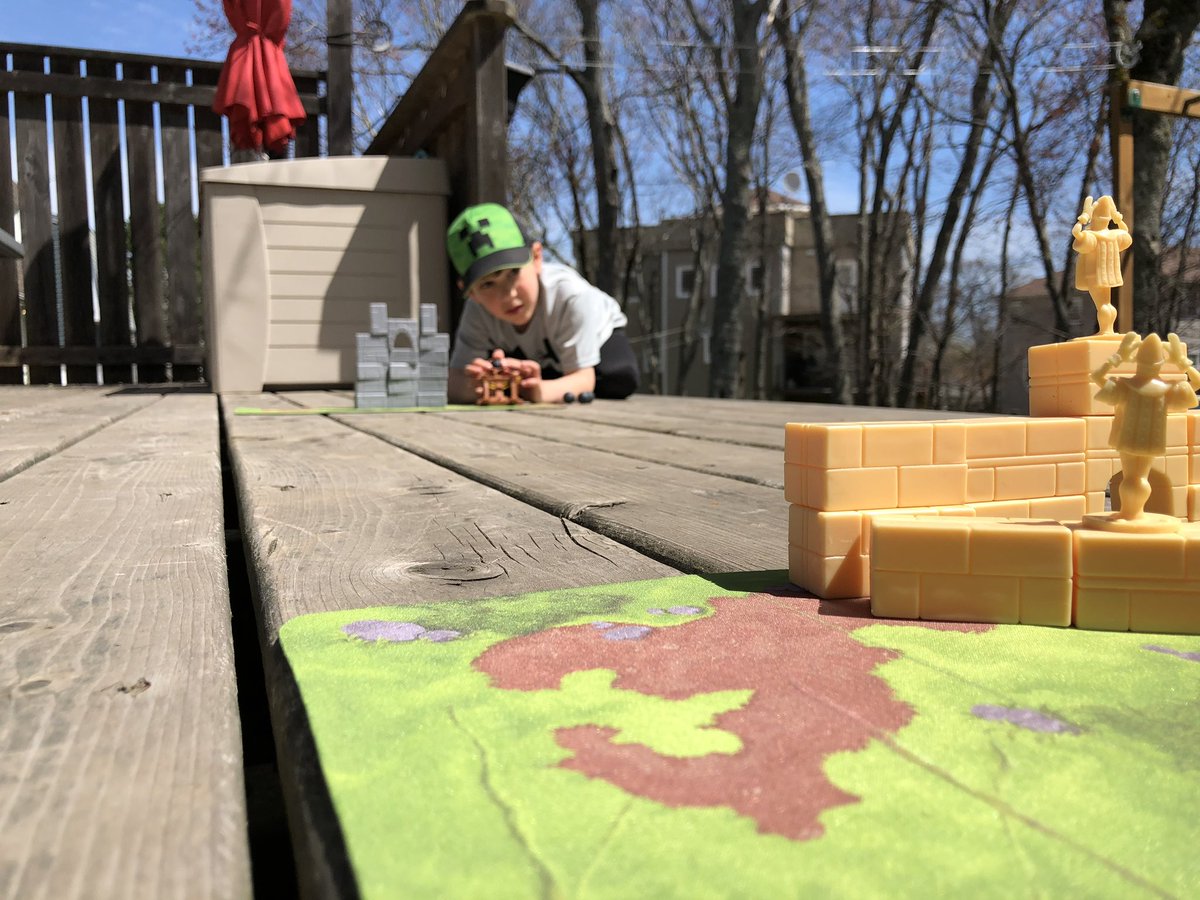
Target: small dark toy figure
587,397
568,397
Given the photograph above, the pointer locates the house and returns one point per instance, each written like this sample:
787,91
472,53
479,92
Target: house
669,301
1030,322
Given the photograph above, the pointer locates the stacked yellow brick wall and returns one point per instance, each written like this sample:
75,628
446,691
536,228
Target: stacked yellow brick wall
1036,573
839,477
972,570
1060,377
1138,582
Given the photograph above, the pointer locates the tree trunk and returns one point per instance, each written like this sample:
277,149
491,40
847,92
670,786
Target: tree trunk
727,352
602,126
822,226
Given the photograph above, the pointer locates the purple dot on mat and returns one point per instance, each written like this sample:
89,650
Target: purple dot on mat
627,633
602,625
685,610
441,635
381,630
1029,719
1189,655
657,611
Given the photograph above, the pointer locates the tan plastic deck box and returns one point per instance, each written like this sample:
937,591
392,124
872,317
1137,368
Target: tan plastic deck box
295,250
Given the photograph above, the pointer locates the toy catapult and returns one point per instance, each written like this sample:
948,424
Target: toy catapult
500,388
1004,519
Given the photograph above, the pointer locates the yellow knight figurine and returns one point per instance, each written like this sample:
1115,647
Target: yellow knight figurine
1139,429
1098,269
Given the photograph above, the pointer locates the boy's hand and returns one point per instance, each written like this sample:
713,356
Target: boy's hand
531,379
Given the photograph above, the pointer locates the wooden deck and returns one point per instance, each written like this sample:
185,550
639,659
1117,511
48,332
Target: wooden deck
121,751
121,747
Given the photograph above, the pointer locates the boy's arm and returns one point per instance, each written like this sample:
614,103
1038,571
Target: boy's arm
551,390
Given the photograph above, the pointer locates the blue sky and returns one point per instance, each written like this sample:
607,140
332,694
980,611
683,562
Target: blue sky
143,26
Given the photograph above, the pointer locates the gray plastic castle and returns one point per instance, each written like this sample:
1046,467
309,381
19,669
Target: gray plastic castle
402,362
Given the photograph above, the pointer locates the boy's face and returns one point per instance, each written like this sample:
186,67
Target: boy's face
511,295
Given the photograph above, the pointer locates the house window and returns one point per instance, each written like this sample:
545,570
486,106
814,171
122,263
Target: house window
754,278
847,282
685,281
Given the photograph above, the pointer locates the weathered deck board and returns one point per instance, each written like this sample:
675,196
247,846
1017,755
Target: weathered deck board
756,465
696,522
739,422
778,412
652,414
58,418
120,747
336,519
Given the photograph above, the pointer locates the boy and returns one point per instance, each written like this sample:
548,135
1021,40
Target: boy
540,319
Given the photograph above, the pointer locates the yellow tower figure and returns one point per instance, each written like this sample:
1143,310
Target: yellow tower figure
1098,269
1139,429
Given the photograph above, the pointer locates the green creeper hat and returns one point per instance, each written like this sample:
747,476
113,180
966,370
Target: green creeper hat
485,239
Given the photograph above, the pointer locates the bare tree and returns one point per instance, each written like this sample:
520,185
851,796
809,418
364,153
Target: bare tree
590,77
993,25
741,102
791,28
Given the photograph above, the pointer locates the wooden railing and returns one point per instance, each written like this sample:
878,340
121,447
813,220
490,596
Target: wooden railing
110,278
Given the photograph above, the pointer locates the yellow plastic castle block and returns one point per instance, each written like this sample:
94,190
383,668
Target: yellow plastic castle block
949,443
990,569
1106,554
1003,509
970,598
1070,478
1059,382
1063,509
1043,361
992,438
925,544
896,595
932,485
1046,601
1193,503
1100,609
981,485
898,444
830,577
826,533
1165,612
795,483
1025,482
1055,435
1034,549
845,489
795,442
1141,582
833,446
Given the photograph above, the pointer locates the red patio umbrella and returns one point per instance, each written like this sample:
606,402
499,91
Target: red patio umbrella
256,90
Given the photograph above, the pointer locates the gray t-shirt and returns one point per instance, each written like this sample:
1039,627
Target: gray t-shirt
572,321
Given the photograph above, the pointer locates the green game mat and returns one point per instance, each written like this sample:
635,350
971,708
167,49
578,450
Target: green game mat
691,737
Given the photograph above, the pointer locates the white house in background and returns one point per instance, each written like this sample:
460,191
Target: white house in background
781,313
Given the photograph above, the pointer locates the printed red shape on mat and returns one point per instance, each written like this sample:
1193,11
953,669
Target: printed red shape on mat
815,694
